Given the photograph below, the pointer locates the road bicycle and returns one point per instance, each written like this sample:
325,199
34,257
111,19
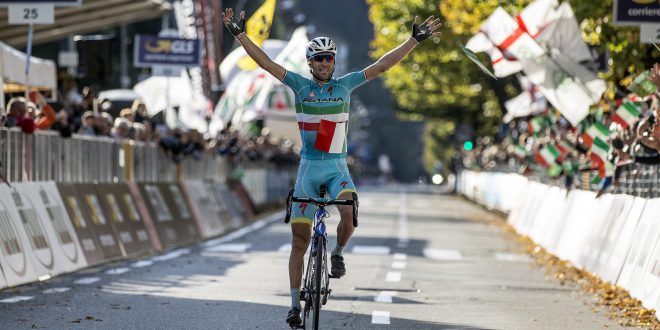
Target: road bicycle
316,288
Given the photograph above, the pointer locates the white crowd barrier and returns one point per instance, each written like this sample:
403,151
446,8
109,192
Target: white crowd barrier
616,237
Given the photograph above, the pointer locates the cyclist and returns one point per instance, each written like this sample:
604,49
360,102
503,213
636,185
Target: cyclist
322,105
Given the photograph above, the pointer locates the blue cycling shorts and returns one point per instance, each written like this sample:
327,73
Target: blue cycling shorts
312,173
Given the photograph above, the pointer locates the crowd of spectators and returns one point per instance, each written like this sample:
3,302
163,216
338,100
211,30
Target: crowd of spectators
631,148
85,115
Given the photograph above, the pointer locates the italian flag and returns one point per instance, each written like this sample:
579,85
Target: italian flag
606,170
563,148
599,152
627,114
535,125
547,155
519,151
331,137
597,130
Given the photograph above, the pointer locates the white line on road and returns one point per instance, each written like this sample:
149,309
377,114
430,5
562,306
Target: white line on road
287,248
512,257
400,256
393,277
234,248
142,263
172,255
16,299
385,297
87,280
443,254
380,317
243,231
399,265
372,250
56,290
117,271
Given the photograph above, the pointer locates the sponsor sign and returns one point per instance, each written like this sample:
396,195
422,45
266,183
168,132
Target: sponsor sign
153,50
635,12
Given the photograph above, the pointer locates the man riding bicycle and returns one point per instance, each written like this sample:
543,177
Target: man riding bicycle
322,107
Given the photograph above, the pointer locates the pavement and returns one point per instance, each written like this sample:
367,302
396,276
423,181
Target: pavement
418,260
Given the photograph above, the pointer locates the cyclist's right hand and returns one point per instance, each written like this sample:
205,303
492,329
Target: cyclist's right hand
234,26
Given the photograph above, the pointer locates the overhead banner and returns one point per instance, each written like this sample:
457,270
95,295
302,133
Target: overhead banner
153,50
635,12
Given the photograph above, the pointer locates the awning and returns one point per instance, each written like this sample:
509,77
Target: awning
93,15
12,69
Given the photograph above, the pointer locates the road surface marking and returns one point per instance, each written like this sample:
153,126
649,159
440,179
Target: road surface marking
16,299
380,317
142,263
372,250
232,247
512,257
172,255
56,290
117,271
87,280
443,254
400,256
399,265
393,277
385,297
243,231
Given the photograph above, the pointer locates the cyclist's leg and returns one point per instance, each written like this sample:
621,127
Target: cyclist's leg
341,187
301,220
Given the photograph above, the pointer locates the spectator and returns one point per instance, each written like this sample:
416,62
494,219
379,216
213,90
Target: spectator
44,115
88,122
128,114
140,111
17,116
121,129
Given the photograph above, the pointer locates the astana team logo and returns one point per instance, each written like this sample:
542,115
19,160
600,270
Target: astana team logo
64,234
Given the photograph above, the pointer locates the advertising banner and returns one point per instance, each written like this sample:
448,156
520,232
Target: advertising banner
16,250
117,202
48,210
205,208
153,50
229,216
170,213
635,12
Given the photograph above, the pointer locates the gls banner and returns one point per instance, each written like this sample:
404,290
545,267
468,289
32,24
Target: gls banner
153,50
635,12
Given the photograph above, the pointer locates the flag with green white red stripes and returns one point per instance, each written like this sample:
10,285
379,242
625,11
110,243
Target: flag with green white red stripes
627,114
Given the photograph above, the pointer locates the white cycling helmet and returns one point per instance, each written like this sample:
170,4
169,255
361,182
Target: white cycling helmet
320,45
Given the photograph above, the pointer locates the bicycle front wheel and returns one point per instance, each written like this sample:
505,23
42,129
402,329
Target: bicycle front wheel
318,276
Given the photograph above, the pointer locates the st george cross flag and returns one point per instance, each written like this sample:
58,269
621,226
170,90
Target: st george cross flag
331,137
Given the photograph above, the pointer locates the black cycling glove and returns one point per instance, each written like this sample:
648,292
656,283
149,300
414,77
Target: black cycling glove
421,32
235,26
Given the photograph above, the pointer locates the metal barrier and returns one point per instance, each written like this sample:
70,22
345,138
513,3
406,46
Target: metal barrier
45,156
639,180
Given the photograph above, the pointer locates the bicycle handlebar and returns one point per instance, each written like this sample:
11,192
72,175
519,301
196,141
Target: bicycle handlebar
322,201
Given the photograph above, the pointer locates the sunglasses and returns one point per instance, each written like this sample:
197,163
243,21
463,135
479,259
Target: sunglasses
327,57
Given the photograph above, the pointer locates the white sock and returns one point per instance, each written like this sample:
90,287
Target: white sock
295,298
337,251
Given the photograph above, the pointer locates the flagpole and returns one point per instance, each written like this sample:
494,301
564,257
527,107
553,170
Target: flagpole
27,61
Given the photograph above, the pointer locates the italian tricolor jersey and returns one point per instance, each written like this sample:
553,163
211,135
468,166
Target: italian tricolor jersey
322,113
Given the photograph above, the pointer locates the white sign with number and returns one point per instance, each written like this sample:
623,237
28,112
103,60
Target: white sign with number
31,14
648,33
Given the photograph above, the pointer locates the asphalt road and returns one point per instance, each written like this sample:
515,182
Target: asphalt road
417,261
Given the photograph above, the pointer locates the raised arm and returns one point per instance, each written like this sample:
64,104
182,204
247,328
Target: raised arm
237,29
394,56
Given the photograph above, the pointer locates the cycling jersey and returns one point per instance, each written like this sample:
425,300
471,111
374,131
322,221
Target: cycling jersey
322,113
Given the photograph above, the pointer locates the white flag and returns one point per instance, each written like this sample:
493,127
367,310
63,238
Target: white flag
564,34
530,102
511,39
502,67
568,86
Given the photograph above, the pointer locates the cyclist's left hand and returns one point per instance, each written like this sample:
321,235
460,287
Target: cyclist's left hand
422,31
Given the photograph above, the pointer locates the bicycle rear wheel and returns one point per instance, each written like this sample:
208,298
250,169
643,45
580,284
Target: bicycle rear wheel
318,276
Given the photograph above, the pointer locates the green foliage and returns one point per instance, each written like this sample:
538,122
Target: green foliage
439,83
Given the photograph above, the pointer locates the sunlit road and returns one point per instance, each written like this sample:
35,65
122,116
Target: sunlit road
417,261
